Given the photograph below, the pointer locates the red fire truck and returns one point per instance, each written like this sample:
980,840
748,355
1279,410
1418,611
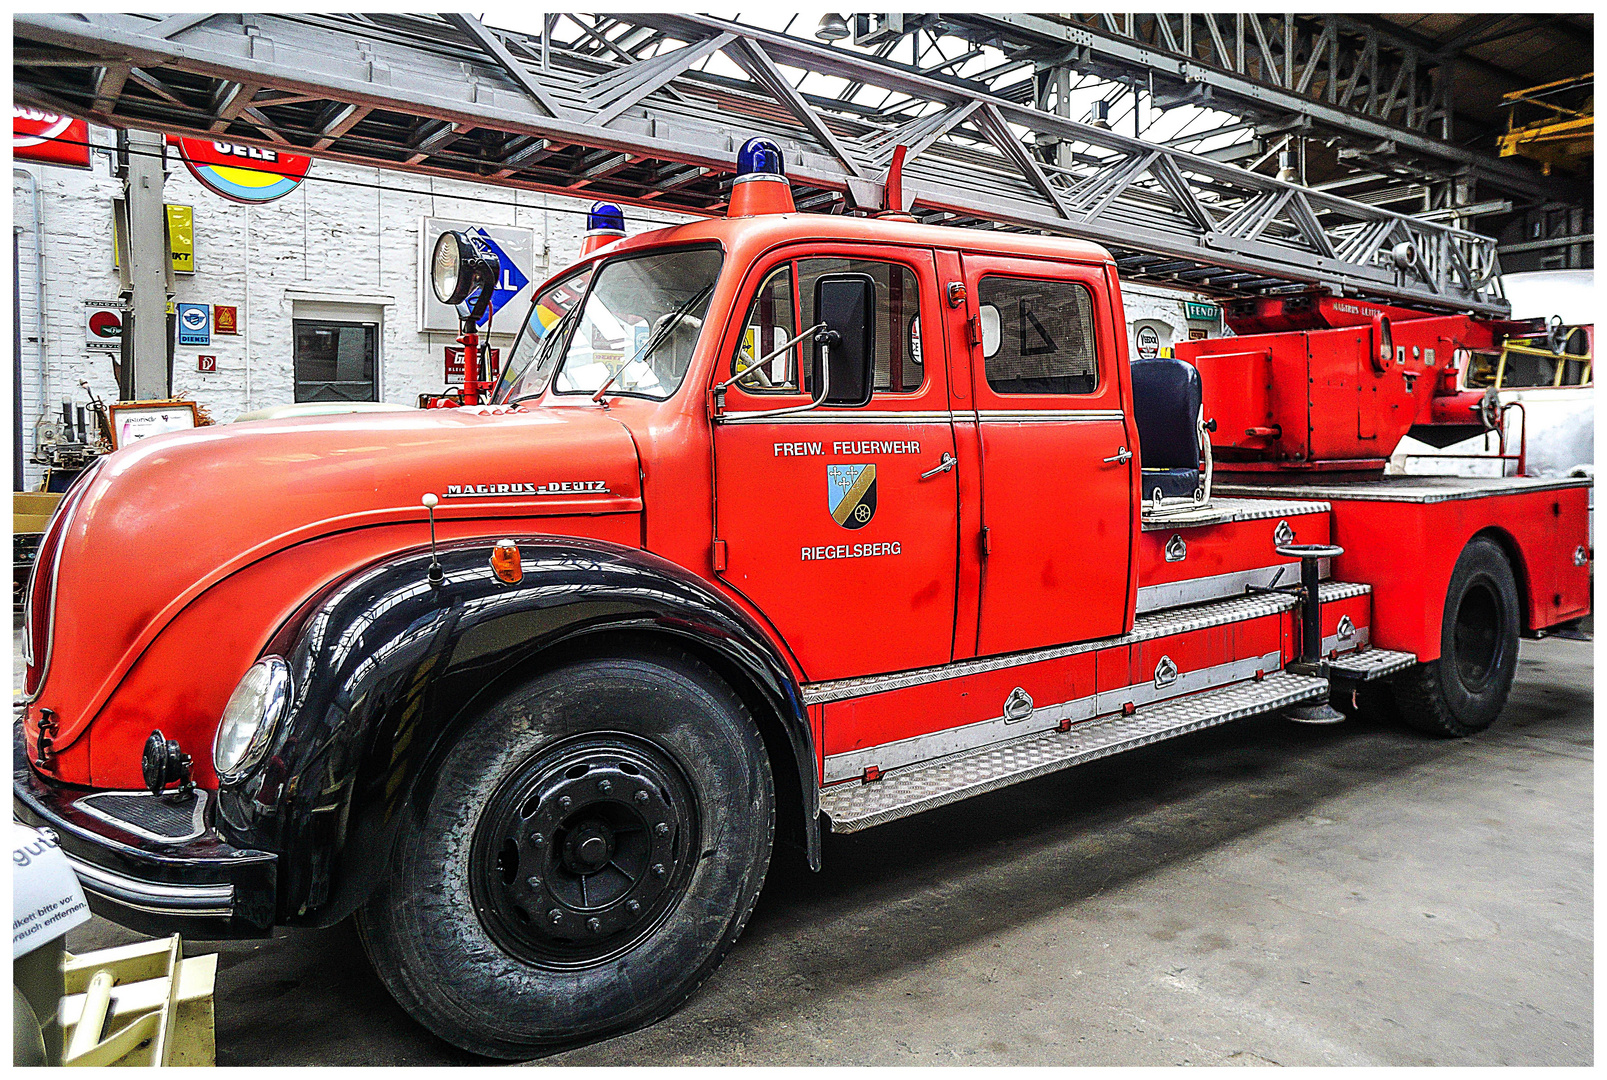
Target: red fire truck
773,524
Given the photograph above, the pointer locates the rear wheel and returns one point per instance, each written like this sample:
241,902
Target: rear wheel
1464,690
592,848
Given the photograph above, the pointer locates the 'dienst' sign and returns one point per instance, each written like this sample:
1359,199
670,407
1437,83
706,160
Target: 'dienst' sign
245,174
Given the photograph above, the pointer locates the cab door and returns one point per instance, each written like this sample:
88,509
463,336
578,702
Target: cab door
1059,457
839,522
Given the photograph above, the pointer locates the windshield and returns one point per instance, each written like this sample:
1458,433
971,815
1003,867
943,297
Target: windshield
535,352
640,324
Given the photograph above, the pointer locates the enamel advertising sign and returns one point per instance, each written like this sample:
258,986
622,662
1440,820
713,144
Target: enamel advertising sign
45,137
244,174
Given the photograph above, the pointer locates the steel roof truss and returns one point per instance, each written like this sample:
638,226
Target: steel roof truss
446,96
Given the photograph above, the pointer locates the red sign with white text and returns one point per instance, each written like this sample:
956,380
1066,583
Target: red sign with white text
454,362
48,138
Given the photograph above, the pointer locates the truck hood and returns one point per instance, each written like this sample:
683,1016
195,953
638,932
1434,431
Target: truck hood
164,519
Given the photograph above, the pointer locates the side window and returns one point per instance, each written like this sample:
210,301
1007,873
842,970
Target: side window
771,323
899,361
773,318
1038,336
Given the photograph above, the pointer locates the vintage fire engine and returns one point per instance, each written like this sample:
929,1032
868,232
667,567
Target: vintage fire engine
773,524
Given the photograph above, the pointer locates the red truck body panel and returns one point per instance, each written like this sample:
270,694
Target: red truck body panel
1025,571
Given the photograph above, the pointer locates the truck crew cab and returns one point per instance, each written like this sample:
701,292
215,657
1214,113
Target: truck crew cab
775,523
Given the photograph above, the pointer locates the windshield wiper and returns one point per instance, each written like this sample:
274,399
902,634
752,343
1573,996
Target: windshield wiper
653,342
549,341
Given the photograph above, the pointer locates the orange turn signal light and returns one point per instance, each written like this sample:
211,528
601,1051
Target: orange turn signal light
506,563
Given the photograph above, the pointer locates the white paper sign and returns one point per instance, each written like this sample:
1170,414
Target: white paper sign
133,425
46,899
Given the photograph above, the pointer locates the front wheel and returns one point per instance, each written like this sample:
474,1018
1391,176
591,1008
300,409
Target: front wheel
1464,690
592,847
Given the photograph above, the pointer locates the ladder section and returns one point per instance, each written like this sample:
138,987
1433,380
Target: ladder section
640,115
856,806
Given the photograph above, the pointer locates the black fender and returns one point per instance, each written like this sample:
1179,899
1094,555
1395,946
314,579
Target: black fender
387,667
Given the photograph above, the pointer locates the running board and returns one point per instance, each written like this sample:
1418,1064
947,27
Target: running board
854,806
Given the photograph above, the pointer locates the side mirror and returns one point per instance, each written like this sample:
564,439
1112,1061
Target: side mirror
846,303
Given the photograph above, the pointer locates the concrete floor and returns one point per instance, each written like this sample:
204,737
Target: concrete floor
1261,893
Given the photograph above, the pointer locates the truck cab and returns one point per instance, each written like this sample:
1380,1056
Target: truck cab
775,523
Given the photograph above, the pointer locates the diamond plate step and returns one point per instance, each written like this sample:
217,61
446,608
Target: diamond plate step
1369,665
855,806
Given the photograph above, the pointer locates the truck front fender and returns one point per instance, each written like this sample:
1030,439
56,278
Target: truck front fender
388,667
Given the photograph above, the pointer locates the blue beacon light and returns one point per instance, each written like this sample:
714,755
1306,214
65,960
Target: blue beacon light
760,160
605,223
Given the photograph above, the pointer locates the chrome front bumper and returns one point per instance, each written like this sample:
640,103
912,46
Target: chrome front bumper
201,887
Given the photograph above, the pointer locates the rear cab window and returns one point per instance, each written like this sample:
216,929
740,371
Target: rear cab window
1038,336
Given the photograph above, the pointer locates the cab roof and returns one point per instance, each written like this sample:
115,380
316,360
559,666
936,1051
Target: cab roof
764,231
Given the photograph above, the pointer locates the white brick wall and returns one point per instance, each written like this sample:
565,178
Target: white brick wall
346,233
335,237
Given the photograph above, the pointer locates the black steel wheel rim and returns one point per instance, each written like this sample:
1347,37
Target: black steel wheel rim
584,850
1478,644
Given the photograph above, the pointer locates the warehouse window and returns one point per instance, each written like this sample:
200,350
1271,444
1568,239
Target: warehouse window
336,361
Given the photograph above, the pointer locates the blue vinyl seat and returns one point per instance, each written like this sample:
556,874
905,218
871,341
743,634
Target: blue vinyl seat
1166,405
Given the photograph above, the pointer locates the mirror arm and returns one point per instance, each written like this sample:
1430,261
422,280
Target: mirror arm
825,390
765,359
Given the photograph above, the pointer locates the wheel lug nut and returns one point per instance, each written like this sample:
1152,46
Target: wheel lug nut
565,801
662,828
532,881
605,786
633,905
658,869
537,839
555,915
594,925
641,796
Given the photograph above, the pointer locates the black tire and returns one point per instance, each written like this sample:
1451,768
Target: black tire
1463,691
670,817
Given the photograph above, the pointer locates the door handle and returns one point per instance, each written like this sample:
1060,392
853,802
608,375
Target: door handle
1121,457
945,463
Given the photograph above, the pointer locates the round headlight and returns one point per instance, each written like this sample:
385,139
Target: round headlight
253,711
447,278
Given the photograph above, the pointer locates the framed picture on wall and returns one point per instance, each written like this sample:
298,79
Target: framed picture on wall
136,420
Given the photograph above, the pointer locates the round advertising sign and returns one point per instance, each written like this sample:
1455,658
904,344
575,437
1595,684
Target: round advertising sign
1149,342
245,174
105,324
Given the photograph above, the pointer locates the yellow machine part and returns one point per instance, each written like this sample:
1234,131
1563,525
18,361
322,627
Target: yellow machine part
140,1004
31,510
1565,139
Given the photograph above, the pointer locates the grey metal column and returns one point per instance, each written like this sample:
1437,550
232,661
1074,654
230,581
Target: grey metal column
147,267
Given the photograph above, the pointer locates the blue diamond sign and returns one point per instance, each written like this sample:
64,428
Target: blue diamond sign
512,280
518,254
